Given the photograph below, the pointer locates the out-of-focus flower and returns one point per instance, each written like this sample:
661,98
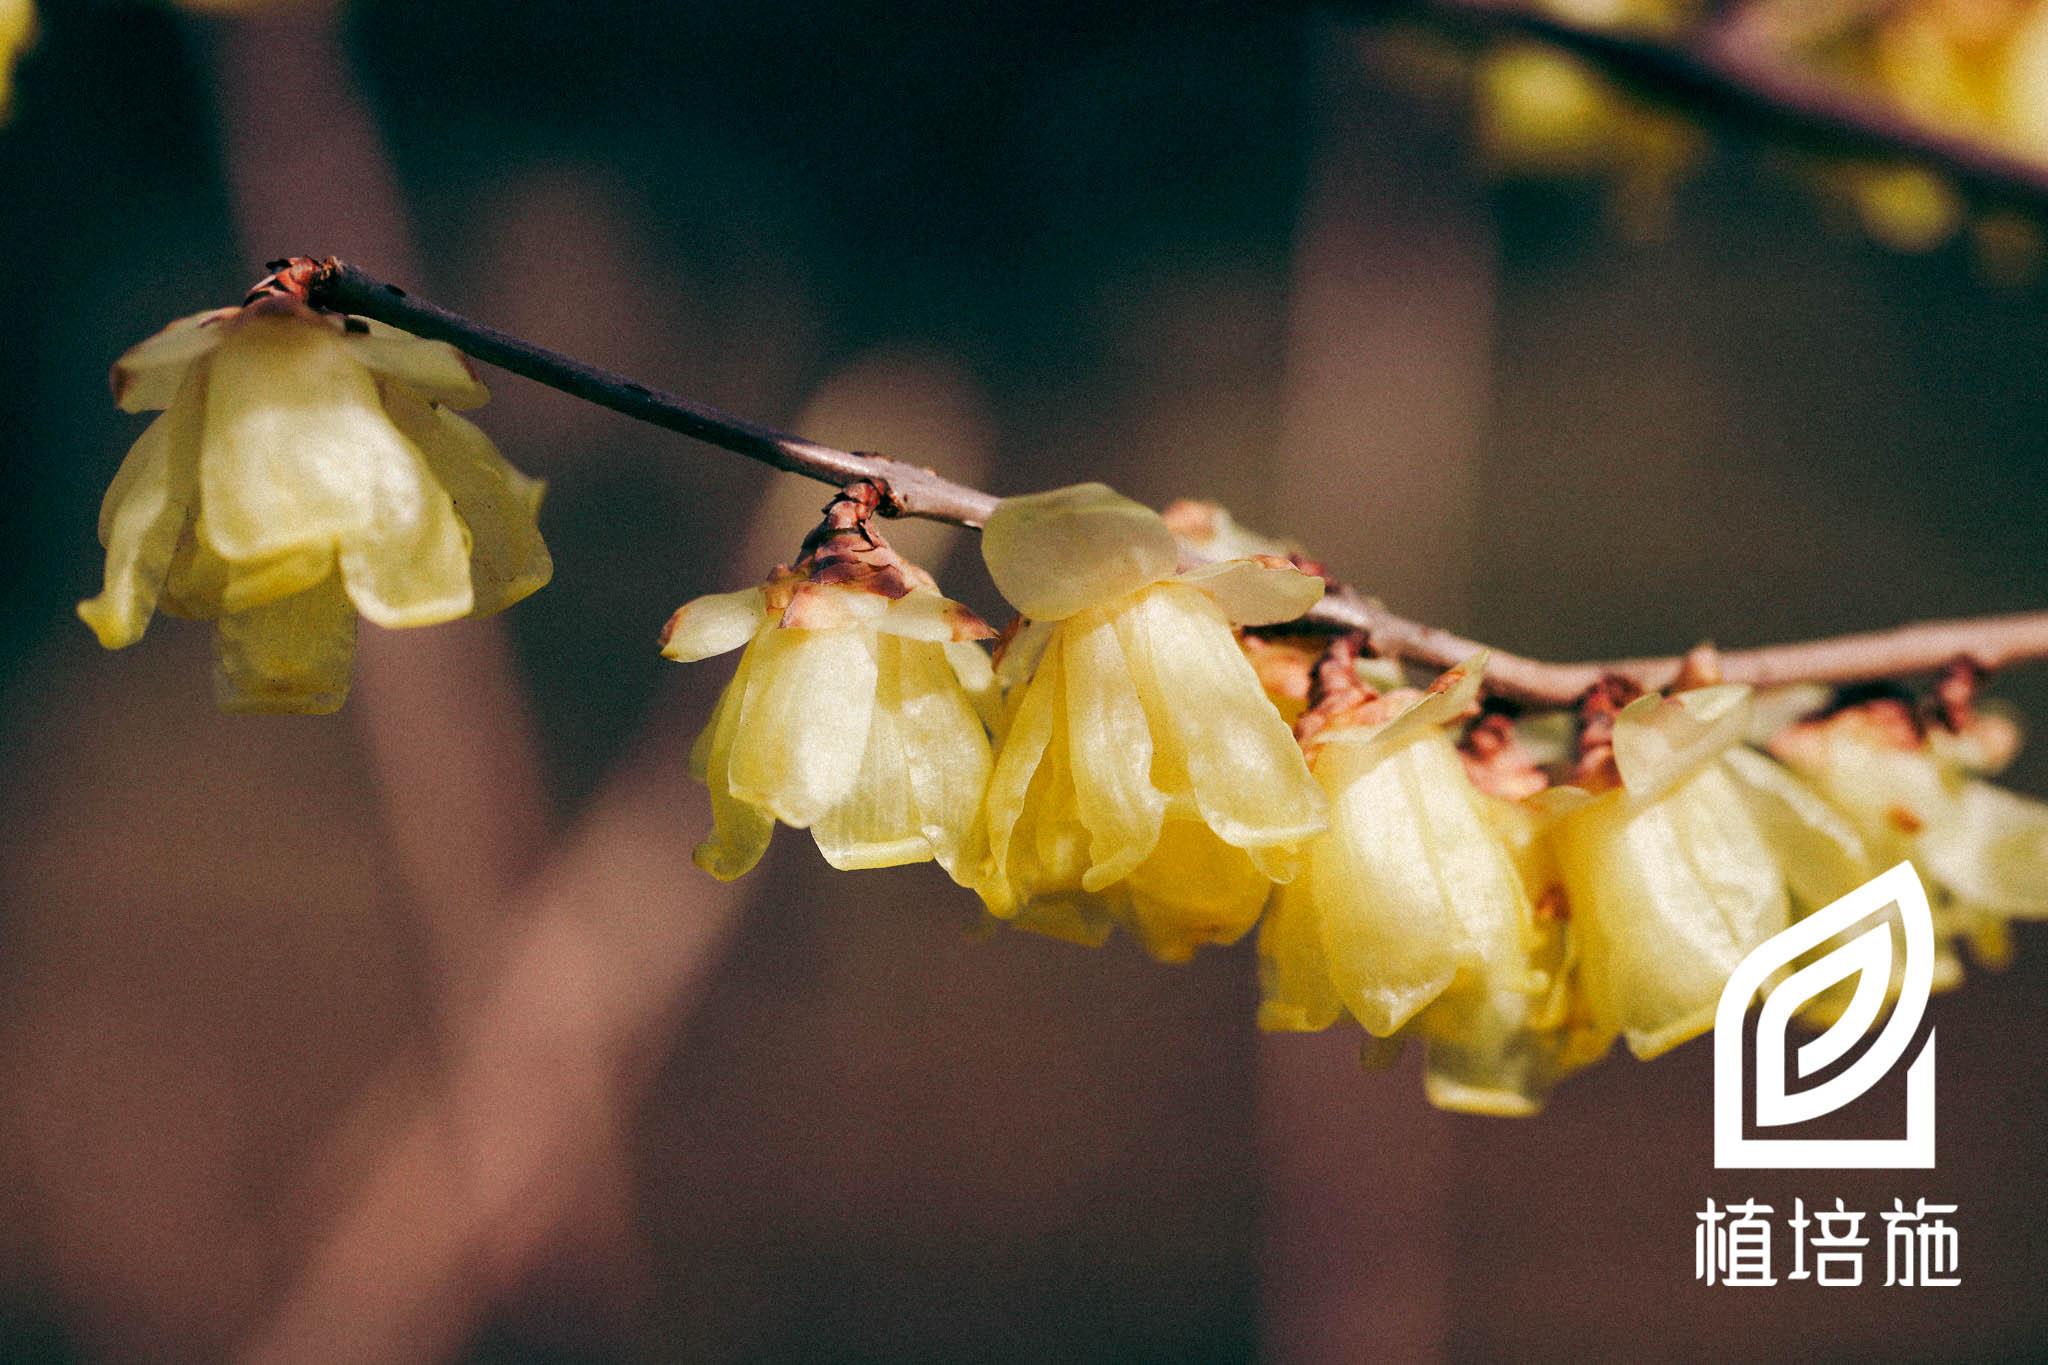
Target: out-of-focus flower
1413,915
1912,790
1143,776
17,31
305,469
1679,853
848,715
1542,112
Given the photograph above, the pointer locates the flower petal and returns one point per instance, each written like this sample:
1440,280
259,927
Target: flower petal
1295,994
202,584
1822,856
410,565
1659,742
1194,890
923,614
434,370
297,447
149,373
146,510
1993,852
739,832
290,656
714,624
876,823
947,754
1024,751
508,559
1052,554
1109,746
804,722
1248,776
1256,594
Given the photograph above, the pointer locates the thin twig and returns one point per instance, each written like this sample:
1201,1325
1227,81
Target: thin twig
1732,72
1991,642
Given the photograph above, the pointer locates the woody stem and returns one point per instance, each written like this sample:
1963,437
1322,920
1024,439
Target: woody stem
915,491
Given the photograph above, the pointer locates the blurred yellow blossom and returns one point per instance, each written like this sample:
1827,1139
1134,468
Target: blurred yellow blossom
850,713
17,31
306,469
1143,778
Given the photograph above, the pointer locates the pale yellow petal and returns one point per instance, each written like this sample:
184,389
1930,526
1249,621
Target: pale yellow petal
1822,856
410,565
1255,594
202,584
147,508
288,656
1295,994
149,374
1013,778
946,751
434,370
1052,554
1659,742
1109,749
1993,852
1248,776
508,559
876,823
804,722
739,832
714,624
297,448
1194,890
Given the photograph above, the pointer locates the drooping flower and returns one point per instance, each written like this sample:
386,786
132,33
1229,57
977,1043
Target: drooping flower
851,713
1144,778
1912,788
1680,852
17,31
1412,915
306,468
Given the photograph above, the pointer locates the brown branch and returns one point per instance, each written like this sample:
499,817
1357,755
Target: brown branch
1732,72
914,491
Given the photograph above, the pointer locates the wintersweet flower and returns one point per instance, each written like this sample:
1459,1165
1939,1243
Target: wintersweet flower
306,468
1412,915
1679,853
1144,778
850,714
1912,788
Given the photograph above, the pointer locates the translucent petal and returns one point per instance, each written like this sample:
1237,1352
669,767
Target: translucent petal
804,722
1255,594
739,832
146,510
1052,554
1659,742
149,373
1013,780
1993,852
876,824
975,673
1295,994
923,614
297,448
1822,856
508,560
1248,776
202,584
434,370
1192,891
713,625
946,752
410,565
1109,746
1670,896
289,656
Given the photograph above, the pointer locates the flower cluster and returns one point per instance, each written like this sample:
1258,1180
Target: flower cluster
306,468
1414,862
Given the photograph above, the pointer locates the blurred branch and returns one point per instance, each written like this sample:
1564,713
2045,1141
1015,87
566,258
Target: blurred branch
1991,642
1735,70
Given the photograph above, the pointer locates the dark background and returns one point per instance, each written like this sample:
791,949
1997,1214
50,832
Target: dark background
270,1078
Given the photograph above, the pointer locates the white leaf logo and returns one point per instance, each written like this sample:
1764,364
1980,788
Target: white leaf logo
1868,956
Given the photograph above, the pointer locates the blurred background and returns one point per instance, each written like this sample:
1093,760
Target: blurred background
412,1034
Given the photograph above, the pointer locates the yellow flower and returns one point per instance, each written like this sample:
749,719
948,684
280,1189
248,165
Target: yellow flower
1911,791
850,714
1143,777
302,471
1690,860
1413,915
17,31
